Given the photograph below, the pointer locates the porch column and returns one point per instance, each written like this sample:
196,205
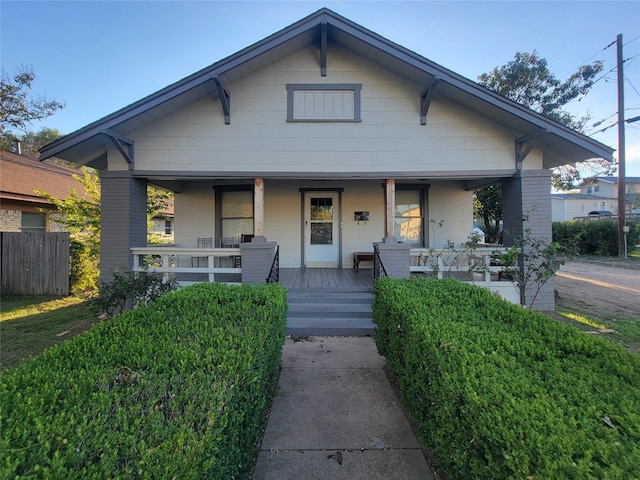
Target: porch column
258,207
123,220
393,254
390,200
395,258
526,204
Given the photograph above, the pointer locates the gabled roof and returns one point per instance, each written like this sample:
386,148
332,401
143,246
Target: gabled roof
579,196
561,144
20,176
612,180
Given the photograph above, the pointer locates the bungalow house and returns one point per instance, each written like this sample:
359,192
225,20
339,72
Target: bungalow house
321,140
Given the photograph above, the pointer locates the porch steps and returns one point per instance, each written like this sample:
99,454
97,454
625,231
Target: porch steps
330,312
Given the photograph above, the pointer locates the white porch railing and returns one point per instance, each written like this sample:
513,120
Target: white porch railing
473,265
179,262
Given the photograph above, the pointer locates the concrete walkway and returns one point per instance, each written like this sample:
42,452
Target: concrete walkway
335,416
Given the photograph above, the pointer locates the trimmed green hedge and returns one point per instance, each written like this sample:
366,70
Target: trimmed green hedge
597,237
504,392
178,389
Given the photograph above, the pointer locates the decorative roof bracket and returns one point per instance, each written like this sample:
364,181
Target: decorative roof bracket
323,49
534,139
425,99
225,99
120,141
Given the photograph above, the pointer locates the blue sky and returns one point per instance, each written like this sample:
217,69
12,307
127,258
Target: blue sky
98,57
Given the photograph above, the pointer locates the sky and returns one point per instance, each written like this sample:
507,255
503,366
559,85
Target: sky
100,56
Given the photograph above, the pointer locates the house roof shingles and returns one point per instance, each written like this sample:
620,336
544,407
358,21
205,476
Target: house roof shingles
20,176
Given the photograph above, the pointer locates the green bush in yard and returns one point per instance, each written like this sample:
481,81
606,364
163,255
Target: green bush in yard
597,237
176,389
504,392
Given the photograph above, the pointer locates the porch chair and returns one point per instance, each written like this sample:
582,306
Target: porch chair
203,242
231,242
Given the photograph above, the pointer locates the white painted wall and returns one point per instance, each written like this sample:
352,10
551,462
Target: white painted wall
194,215
389,138
449,202
283,217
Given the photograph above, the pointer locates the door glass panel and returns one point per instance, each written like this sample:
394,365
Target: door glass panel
321,209
321,221
321,233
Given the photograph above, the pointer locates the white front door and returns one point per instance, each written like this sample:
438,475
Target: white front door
321,229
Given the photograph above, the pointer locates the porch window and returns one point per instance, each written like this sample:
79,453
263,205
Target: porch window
236,214
323,102
33,222
408,216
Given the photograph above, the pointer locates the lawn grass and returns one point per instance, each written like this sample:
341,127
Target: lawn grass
587,317
30,325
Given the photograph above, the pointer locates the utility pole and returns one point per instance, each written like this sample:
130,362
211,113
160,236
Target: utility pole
621,152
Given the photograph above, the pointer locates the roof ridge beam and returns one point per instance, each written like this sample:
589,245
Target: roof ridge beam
225,100
425,99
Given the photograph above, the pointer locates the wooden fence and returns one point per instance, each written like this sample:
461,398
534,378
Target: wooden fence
34,263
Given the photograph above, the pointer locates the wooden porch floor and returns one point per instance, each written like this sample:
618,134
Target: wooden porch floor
327,278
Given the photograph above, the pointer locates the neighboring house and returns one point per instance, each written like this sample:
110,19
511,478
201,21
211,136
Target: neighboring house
162,225
597,194
20,206
302,136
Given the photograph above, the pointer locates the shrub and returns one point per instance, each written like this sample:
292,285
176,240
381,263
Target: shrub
84,269
133,289
598,237
504,392
177,389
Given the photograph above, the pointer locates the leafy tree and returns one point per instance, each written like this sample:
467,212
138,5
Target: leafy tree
80,215
527,80
567,177
31,142
17,107
487,204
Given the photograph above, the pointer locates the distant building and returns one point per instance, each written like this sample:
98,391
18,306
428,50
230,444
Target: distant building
599,194
20,206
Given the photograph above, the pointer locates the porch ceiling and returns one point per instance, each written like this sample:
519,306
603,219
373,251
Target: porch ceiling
562,145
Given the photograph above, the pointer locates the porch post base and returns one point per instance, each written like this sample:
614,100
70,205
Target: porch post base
395,257
257,258
527,196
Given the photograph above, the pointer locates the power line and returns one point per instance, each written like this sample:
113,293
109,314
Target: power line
632,40
631,85
588,59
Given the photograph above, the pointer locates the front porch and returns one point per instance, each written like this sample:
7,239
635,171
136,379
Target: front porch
239,265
